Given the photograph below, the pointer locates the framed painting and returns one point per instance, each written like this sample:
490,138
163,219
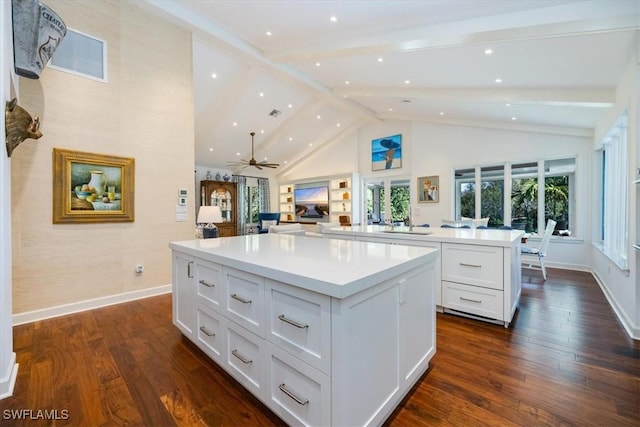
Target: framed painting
386,153
90,187
428,189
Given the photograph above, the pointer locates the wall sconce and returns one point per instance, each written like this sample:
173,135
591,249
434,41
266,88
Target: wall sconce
207,216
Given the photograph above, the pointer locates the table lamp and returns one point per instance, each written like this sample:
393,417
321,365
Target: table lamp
207,215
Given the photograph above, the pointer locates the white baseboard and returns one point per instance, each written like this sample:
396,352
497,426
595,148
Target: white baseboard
632,330
62,310
8,382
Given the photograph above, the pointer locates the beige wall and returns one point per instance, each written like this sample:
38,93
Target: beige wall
144,111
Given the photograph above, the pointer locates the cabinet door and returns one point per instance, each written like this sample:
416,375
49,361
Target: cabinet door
183,294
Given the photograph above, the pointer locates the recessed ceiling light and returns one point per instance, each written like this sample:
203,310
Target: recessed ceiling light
290,138
261,93
347,82
317,64
269,33
285,162
310,144
390,109
407,82
214,76
333,19
237,154
318,117
507,105
488,51
442,113
266,158
290,105
210,149
235,123
498,80
338,124
514,118
380,59
261,130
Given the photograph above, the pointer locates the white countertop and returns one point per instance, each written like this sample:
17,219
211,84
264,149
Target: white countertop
473,236
338,268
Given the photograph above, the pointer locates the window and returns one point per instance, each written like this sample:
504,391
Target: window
614,193
509,194
252,201
492,195
394,193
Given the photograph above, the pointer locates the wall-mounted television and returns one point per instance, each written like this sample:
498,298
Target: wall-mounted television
312,202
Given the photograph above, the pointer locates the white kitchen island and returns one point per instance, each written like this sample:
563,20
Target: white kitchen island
478,270
323,331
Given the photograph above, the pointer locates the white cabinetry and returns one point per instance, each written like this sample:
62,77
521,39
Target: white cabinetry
312,358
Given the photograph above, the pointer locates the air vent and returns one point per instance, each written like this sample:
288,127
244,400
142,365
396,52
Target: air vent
275,113
82,55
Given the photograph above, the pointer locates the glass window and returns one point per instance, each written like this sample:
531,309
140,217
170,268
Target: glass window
492,195
465,193
399,198
524,197
375,202
559,178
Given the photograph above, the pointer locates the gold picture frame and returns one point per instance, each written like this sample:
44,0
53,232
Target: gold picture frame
429,189
89,187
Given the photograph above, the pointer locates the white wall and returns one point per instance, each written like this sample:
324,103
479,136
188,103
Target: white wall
622,287
8,367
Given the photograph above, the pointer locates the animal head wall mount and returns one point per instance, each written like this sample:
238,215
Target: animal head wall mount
19,125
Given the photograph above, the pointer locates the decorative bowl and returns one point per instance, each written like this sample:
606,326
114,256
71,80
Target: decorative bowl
83,194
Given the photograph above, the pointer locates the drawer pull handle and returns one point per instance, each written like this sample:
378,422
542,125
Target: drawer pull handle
206,331
241,357
189,264
471,300
470,265
207,284
242,300
293,396
292,322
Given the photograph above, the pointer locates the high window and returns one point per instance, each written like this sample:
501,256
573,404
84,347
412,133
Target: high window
613,224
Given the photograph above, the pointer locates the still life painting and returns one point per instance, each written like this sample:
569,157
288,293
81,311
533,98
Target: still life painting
386,153
90,187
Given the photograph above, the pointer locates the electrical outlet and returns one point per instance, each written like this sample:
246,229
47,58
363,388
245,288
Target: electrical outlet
139,268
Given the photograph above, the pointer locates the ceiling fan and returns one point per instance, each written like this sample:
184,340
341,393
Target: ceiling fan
253,162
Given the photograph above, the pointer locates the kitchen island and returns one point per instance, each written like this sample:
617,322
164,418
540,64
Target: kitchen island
323,331
478,270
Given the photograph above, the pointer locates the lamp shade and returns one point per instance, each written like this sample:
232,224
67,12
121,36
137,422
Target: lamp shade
209,215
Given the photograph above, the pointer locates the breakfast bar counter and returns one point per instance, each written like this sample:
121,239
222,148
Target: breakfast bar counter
478,271
323,331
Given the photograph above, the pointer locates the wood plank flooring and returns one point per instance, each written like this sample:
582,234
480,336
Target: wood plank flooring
566,361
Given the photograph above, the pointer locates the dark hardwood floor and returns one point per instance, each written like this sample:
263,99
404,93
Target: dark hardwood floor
566,361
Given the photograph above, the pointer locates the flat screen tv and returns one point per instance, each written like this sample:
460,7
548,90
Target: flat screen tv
312,202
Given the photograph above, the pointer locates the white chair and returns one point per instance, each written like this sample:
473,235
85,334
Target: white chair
530,254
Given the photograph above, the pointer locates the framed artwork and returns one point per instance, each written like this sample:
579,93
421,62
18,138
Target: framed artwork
90,187
428,189
386,153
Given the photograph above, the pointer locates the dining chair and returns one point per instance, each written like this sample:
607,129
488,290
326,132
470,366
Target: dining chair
531,254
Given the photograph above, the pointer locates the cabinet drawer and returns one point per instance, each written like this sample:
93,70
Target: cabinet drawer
210,285
211,330
244,299
245,358
473,299
299,321
297,393
473,265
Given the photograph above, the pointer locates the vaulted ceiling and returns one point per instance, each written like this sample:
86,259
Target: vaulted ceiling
302,74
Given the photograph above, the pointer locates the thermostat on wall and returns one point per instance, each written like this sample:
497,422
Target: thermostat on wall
182,192
182,201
